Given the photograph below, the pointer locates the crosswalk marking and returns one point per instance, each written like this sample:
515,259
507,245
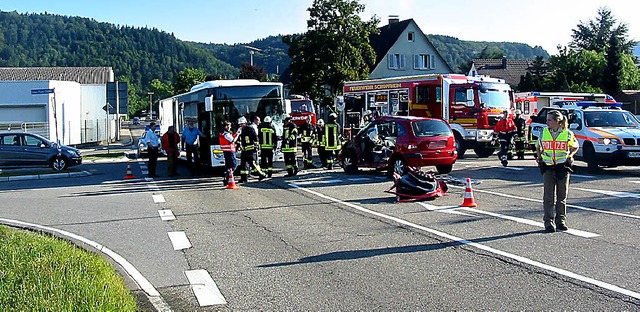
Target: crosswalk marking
179,240
204,288
158,199
166,215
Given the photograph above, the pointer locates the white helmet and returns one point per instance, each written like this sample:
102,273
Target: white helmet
320,122
267,119
518,112
242,120
366,113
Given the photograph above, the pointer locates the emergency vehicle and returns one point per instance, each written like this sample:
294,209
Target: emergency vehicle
300,108
472,105
531,102
608,135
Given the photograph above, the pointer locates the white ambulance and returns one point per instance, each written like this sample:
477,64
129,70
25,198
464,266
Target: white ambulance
608,135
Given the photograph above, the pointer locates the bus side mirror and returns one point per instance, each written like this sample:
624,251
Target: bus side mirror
208,103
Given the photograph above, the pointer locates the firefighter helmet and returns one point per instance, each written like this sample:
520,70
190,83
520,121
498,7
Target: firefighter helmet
518,112
366,113
242,120
333,116
267,119
287,117
320,122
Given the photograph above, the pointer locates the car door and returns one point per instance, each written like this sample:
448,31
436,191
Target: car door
9,149
35,151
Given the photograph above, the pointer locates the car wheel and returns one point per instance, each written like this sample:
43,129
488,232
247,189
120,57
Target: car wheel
349,164
460,146
484,152
590,158
398,166
59,163
444,169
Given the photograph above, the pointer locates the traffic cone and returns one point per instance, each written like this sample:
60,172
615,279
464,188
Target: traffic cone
129,174
231,184
469,201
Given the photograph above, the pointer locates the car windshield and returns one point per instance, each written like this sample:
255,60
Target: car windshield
610,119
495,96
430,128
305,106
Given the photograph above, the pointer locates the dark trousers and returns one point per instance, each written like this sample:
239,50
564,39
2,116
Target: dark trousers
172,163
249,162
153,160
519,145
266,161
192,156
307,154
230,165
323,156
291,163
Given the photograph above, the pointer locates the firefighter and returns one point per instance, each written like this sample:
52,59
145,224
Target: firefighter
290,146
331,139
366,118
520,137
505,129
321,152
249,155
268,141
307,136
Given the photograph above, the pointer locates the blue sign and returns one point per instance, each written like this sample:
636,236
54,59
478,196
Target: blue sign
41,91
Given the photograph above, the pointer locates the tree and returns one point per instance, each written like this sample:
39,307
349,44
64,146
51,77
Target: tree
248,71
595,35
188,78
611,79
334,49
487,53
161,90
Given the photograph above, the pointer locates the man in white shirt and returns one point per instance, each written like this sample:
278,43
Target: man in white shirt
153,142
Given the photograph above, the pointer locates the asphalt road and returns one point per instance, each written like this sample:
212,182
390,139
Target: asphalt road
327,241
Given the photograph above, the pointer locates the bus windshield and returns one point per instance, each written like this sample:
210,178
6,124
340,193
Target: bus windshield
246,100
301,106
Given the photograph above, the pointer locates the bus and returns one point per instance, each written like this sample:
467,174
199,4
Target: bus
210,103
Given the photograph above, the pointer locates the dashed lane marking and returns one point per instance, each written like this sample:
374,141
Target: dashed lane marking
158,199
611,193
204,288
515,257
166,215
179,240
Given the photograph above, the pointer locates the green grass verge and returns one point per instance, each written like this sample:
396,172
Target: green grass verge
44,273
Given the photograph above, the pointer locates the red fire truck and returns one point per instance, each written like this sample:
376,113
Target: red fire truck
531,102
471,105
301,108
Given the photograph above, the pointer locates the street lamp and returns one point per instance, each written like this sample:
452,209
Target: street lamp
150,104
252,51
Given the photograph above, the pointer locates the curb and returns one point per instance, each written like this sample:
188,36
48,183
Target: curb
46,176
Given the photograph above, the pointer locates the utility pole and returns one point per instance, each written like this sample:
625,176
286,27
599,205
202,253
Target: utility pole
150,104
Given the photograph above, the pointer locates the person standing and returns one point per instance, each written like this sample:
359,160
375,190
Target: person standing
554,153
170,141
153,142
189,138
321,152
228,146
505,128
332,139
307,134
249,155
520,137
290,146
268,141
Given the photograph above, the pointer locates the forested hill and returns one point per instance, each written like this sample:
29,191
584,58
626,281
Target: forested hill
140,54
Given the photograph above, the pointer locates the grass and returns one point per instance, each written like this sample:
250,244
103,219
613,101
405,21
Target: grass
43,273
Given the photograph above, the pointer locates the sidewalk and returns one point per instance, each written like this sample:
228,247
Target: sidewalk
126,143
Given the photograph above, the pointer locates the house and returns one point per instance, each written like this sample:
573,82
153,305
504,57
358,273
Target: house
63,104
402,49
509,70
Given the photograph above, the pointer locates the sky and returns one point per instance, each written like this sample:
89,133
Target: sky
546,23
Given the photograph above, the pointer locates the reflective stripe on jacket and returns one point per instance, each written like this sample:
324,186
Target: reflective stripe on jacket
266,138
290,141
332,141
555,151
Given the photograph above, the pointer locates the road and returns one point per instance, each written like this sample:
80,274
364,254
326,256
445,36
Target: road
327,241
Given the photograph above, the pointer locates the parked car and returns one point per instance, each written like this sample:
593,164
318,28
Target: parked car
143,141
19,149
395,142
136,120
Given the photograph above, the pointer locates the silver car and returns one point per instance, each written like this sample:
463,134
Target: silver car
19,149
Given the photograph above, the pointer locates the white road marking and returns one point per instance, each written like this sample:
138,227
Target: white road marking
158,199
144,172
540,201
509,168
358,179
148,179
445,209
611,193
153,187
528,261
141,162
166,215
330,181
204,288
637,182
179,240
582,176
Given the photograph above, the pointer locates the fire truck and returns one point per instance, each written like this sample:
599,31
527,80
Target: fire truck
472,105
300,108
530,103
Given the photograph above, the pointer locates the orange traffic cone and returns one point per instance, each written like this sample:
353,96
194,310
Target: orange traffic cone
469,201
231,184
129,174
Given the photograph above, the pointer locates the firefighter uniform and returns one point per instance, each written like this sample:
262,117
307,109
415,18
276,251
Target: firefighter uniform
307,136
331,139
268,141
320,143
249,155
520,137
290,147
505,128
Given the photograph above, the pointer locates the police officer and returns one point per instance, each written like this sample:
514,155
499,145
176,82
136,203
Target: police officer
290,146
332,139
307,136
320,135
268,141
249,155
520,137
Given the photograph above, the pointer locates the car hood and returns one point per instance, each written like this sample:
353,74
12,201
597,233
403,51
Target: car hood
613,132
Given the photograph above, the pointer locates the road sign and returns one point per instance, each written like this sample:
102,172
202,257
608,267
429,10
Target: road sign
41,91
104,108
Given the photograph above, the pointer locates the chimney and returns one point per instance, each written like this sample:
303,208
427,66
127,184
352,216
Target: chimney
504,62
393,19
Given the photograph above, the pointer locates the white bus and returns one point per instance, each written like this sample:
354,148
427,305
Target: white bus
212,102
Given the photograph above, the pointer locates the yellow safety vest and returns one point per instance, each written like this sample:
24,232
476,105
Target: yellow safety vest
554,151
332,142
266,136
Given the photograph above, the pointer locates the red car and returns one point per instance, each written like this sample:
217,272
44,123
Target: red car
395,142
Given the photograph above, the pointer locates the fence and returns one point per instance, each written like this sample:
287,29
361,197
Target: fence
91,131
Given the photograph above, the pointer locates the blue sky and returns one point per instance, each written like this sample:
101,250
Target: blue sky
542,22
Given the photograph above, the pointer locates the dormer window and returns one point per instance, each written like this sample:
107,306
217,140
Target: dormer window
411,36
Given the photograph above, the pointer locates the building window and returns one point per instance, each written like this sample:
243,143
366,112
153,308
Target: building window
396,61
411,36
424,61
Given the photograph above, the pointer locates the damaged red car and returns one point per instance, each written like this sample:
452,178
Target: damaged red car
395,142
